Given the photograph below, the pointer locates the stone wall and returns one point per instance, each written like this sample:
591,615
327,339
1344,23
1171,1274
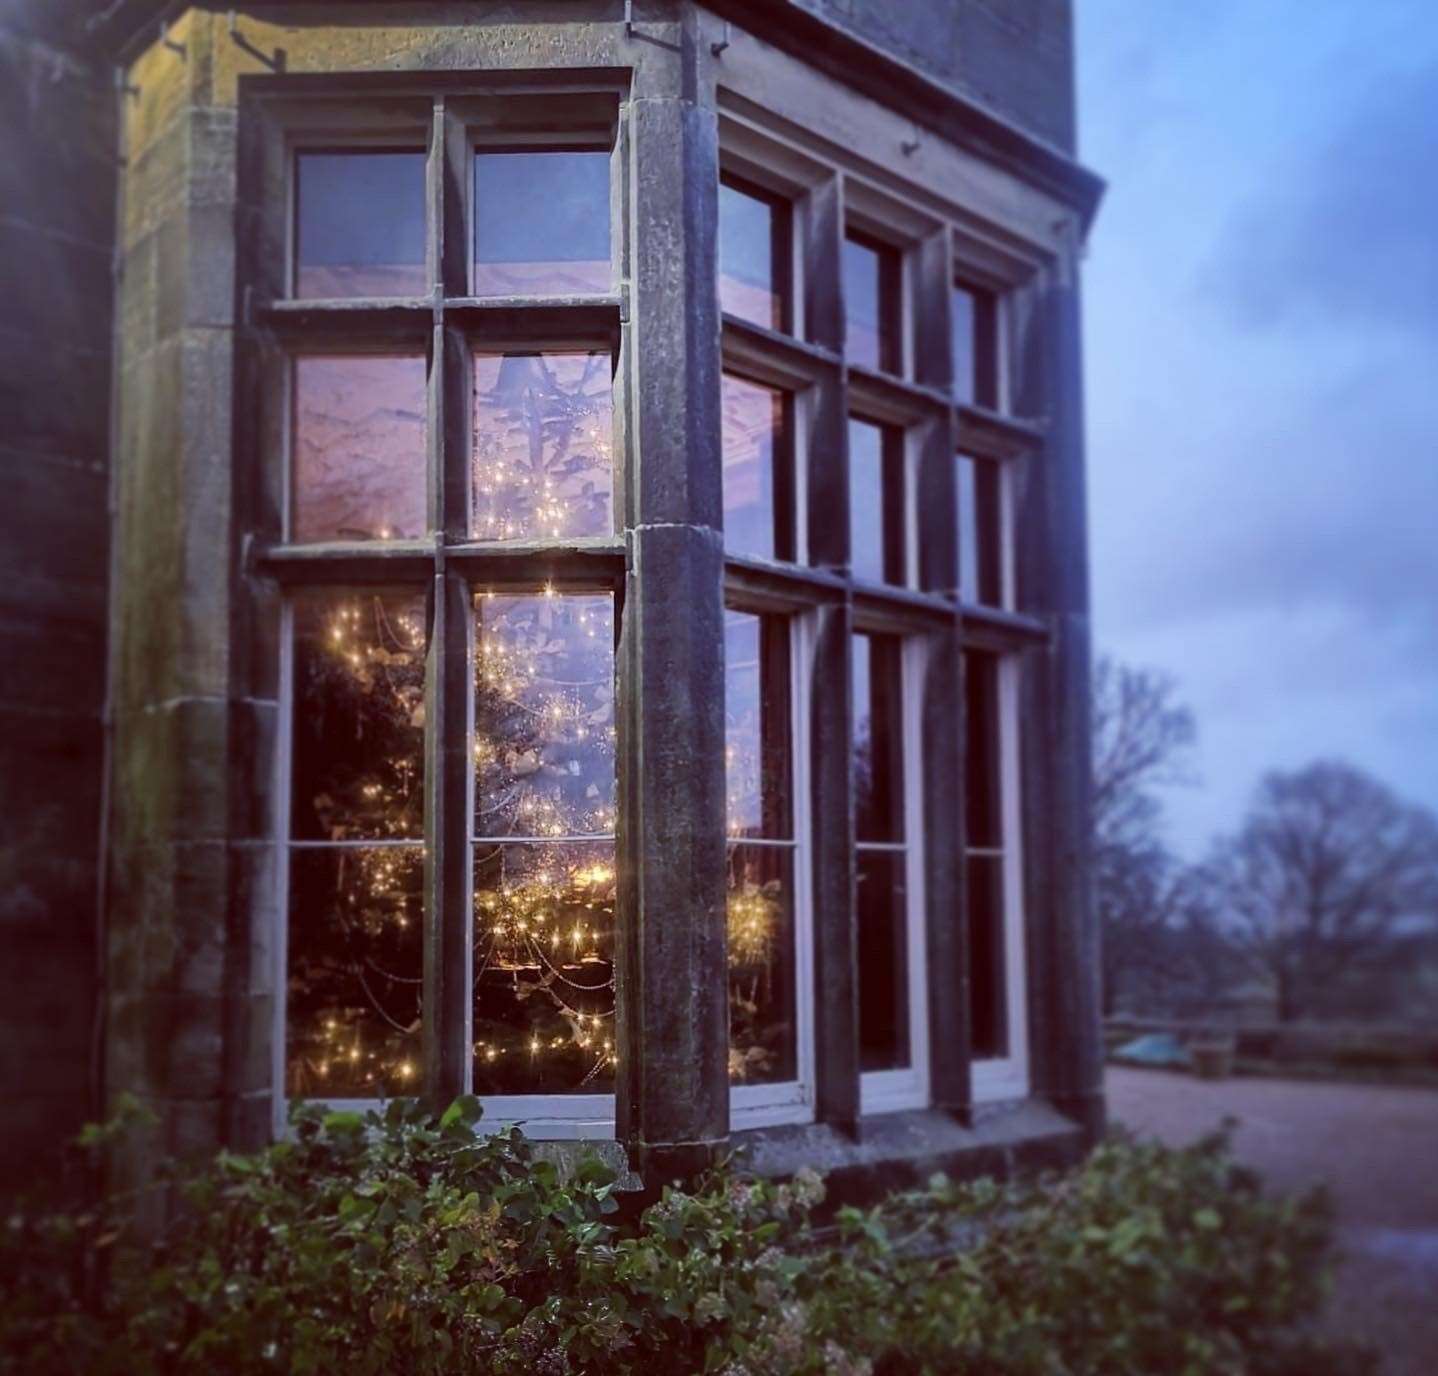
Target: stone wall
57,188
1014,56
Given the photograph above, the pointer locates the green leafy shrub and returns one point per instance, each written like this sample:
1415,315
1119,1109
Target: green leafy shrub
401,1243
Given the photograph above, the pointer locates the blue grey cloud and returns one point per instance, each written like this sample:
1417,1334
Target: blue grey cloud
1261,358
1347,231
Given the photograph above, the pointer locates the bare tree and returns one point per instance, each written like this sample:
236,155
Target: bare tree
1327,867
1141,737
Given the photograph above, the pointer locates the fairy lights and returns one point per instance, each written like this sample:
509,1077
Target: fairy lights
542,455
544,882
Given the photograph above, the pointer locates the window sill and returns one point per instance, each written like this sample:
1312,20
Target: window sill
901,1150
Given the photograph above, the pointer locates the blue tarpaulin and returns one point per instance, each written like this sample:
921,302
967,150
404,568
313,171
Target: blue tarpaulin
1156,1048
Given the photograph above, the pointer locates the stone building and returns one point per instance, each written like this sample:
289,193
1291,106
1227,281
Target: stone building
545,555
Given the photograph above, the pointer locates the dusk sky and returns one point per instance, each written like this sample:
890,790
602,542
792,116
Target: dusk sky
1261,298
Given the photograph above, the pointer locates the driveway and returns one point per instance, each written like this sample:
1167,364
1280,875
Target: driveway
1377,1150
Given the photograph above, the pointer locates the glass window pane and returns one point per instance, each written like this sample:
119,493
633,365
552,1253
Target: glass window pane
357,760
763,1022
754,248
983,813
359,224
543,715
354,972
544,968
541,223
878,739
974,320
871,273
989,1022
881,901
980,532
876,502
757,749
542,462
358,448
962,325
758,470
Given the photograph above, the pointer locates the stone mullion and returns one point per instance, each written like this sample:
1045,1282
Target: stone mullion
936,506
836,990
673,1091
448,998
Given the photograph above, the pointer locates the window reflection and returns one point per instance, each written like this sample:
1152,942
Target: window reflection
754,249
983,816
984,855
878,738
758,470
974,322
980,532
872,275
757,751
542,462
358,448
881,907
543,900
359,224
358,721
758,755
354,972
988,1010
876,502
763,1028
881,856
355,945
541,223
544,968
544,715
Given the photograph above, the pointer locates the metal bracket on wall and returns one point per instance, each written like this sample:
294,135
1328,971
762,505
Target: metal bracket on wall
629,18
167,42
718,48
275,63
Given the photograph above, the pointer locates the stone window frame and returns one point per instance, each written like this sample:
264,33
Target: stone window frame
445,326
939,243
1008,439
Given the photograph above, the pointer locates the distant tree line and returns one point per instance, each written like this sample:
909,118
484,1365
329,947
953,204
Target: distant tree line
1322,904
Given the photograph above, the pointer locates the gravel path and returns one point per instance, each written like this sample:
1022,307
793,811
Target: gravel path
1377,1150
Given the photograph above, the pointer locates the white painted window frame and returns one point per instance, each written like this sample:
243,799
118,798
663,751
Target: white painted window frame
1007,1077
894,1091
760,1106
